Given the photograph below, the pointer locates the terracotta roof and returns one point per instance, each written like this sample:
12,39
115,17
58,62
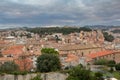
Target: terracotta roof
17,49
24,64
99,54
36,53
2,42
71,57
5,59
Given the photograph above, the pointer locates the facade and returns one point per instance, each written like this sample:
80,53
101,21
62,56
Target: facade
106,54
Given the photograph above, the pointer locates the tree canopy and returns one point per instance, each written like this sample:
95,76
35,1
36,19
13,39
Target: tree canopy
108,37
116,31
48,63
64,30
101,62
117,66
49,51
79,73
9,67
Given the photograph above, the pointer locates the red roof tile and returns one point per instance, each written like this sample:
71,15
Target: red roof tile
3,42
71,57
5,59
17,49
99,54
24,64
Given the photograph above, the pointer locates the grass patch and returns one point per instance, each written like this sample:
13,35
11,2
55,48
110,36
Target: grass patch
116,75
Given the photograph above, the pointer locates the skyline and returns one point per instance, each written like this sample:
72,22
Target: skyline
59,12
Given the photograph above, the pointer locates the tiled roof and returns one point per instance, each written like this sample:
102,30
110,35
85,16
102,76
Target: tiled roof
71,57
4,59
100,54
17,49
2,42
24,64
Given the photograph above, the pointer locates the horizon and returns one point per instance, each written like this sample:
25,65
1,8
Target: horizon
30,13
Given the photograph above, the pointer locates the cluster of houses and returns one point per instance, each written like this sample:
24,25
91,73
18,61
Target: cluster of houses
74,49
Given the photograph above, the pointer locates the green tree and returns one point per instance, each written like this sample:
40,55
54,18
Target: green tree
117,66
111,63
64,30
101,62
48,63
9,67
49,51
108,37
98,75
79,73
57,38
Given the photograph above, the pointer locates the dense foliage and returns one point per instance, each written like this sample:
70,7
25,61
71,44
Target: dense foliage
49,51
101,62
108,37
111,63
98,75
48,63
117,66
8,67
116,31
64,30
79,73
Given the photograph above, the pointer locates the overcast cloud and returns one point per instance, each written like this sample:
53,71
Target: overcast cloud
59,12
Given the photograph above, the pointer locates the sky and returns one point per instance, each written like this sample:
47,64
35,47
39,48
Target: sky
59,12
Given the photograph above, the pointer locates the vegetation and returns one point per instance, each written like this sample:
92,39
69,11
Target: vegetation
38,77
57,38
80,73
98,75
109,63
48,63
116,31
101,62
8,67
108,37
64,30
117,66
116,75
19,72
28,35
49,51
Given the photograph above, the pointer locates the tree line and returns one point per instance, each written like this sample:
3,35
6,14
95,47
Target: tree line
64,30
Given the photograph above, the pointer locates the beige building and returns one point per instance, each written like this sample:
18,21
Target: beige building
80,50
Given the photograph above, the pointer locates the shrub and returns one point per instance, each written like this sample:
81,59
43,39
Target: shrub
79,73
38,77
117,66
111,63
8,67
101,62
48,63
98,75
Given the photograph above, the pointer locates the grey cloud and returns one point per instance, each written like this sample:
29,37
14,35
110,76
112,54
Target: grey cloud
60,12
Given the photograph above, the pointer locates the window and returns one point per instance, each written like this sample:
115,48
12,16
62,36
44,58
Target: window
82,54
10,55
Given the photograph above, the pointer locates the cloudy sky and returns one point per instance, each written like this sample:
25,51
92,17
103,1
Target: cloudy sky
59,12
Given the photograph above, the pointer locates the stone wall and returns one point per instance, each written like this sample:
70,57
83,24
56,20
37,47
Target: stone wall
44,76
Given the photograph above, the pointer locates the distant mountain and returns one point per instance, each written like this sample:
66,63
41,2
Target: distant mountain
101,26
